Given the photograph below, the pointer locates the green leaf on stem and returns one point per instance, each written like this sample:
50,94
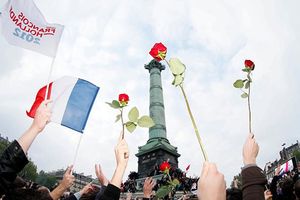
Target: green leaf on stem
145,121
247,85
177,80
130,126
175,182
163,191
115,104
244,95
133,114
246,70
118,117
238,83
176,66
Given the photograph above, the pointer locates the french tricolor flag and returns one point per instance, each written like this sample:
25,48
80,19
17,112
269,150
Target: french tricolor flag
286,167
72,100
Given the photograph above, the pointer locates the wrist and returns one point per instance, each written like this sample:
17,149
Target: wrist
147,196
121,166
250,161
35,129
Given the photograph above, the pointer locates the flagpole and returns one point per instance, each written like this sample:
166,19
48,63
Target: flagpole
77,149
49,76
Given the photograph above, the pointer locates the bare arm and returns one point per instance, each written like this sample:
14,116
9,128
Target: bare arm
41,118
66,183
122,156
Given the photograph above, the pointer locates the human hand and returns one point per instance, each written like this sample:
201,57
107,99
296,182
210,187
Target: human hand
86,189
211,185
100,175
68,178
268,195
250,150
42,116
128,196
122,152
148,186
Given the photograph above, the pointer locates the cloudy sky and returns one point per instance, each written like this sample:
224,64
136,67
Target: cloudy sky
107,43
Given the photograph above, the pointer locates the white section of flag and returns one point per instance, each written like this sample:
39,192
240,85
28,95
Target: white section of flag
60,94
24,25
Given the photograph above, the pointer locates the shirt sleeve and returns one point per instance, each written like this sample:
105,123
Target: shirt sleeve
111,192
12,161
253,183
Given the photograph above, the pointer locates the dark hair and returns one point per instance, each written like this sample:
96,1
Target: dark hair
91,195
234,194
297,188
287,186
28,194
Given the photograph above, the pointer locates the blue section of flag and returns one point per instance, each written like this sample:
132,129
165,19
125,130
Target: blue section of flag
79,105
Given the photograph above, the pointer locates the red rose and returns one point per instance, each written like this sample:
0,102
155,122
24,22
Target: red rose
123,98
165,166
158,51
249,64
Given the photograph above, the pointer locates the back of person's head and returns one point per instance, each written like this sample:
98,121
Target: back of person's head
28,194
91,195
234,194
287,186
297,189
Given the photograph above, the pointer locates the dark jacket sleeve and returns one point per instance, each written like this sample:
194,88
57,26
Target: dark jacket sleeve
273,187
71,197
12,161
253,183
111,192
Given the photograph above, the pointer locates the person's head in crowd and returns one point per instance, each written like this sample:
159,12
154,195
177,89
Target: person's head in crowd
287,187
28,194
234,194
297,188
32,191
91,195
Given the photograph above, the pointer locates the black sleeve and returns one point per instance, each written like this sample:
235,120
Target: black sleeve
273,187
111,192
12,161
253,183
71,197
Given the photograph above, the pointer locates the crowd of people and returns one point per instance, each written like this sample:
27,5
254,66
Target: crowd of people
210,186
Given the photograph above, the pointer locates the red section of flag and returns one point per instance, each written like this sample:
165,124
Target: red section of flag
40,97
187,168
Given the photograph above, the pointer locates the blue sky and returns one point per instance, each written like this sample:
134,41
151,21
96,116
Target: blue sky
107,43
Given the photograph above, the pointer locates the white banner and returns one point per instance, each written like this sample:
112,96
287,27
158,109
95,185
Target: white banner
24,25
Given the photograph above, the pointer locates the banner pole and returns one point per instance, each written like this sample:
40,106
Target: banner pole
77,149
49,76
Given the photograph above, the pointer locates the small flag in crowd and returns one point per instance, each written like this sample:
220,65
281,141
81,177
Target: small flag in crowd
286,167
188,167
22,24
72,99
